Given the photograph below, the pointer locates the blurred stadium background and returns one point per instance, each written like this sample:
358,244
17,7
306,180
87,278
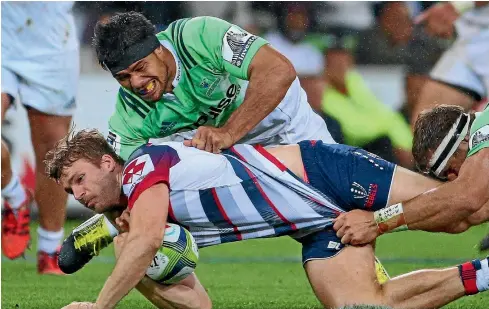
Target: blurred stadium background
342,51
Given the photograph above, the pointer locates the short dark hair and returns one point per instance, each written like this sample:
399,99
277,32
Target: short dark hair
429,130
87,144
113,37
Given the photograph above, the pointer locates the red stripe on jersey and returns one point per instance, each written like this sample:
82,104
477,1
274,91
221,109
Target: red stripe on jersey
269,202
223,213
150,180
270,157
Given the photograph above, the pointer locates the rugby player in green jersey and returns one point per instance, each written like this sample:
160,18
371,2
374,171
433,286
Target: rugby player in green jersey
202,79
450,145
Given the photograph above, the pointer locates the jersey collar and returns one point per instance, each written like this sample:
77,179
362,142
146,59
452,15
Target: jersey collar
178,75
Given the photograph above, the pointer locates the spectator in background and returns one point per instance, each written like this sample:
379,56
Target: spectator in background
364,120
294,21
395,40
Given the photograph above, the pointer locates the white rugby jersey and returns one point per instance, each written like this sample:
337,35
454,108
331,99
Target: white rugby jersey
240,194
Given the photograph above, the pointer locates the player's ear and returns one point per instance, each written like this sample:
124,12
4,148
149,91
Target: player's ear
108,163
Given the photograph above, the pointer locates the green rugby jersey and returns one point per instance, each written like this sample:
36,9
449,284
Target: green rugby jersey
479,133
212,58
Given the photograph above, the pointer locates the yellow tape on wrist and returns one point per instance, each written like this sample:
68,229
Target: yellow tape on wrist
390,219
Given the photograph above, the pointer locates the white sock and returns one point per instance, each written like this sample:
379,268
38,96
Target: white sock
49,241
112,229
14,193
482,276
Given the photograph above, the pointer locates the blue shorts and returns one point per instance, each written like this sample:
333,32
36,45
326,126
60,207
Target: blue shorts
352,177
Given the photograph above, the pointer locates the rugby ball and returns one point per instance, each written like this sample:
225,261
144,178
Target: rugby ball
177,257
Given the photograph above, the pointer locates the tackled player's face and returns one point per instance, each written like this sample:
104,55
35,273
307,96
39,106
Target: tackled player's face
96,187
149,77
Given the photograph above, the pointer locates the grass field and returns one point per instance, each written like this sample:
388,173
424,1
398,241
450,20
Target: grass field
253,275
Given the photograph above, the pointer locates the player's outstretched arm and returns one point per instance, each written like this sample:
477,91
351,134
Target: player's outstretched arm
148,220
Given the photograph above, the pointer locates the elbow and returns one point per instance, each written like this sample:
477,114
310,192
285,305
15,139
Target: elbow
282,70
288,72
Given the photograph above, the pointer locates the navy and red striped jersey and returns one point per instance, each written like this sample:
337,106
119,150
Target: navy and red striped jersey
243,193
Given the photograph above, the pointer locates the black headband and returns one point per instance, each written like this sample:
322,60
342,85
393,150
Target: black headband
133,54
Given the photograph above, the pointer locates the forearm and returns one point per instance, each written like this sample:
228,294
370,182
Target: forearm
476,218
438,208
131,266
265,91
175,296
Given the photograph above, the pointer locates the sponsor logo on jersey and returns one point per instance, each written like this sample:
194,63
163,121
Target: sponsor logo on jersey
167,127
369,196
114,141
480,136
358,191
212,86
215,111
135,171
236,44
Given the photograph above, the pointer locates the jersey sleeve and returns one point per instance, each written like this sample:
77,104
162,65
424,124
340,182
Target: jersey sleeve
227,46
147,166
479,133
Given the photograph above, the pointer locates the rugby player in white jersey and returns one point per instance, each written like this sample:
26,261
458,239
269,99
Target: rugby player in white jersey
249,192
461,75
40,66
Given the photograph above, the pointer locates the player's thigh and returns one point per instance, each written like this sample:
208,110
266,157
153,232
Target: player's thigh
345,279
407,184
46,130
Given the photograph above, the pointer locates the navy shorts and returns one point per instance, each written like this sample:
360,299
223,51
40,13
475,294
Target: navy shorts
352,177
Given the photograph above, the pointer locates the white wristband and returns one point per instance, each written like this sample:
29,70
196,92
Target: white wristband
390,219
463,6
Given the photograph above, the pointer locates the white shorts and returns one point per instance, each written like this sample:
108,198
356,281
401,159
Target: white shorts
466,64
47,84
292,121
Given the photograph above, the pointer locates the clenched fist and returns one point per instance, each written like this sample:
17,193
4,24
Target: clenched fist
211,139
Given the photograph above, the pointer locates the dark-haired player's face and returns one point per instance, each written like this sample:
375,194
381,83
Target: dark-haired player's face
149,77
96,187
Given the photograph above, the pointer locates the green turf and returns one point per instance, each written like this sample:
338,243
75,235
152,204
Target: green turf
253,275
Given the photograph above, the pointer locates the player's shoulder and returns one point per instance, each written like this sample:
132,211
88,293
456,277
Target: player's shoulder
157,151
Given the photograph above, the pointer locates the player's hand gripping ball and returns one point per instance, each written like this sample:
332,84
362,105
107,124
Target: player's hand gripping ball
176,258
